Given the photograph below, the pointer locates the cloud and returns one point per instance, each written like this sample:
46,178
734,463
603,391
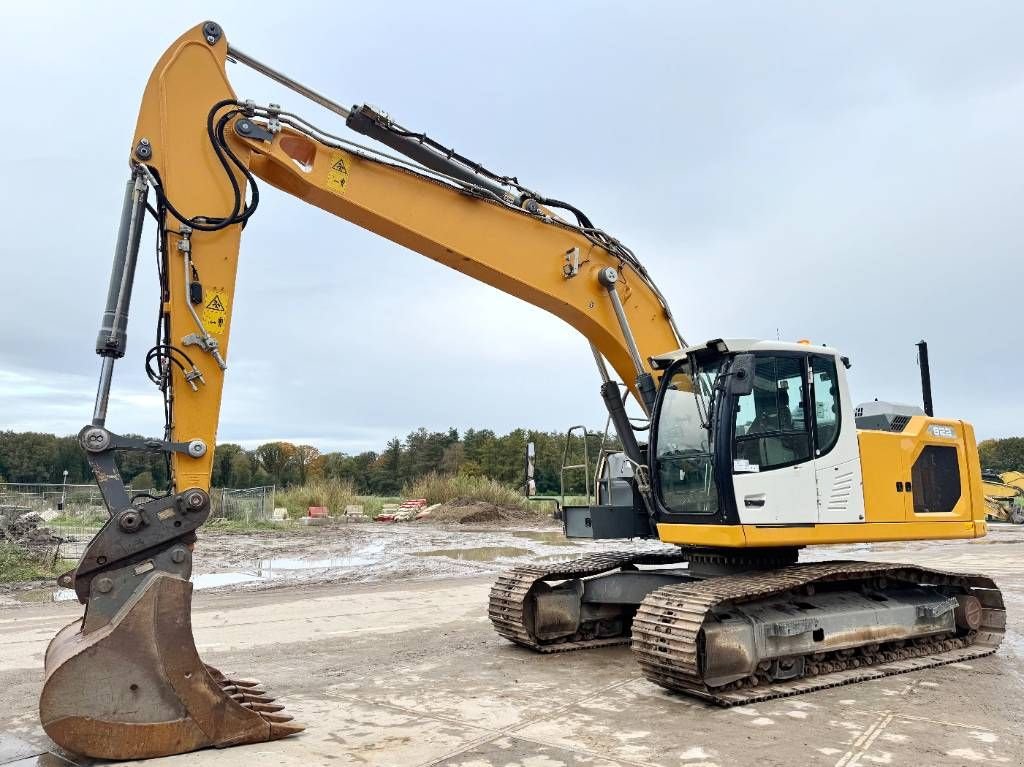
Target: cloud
848,174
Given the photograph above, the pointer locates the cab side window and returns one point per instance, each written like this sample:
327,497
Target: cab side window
826,403
771,426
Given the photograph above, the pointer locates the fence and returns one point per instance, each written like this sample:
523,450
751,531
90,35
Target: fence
70,500
248,504
73,514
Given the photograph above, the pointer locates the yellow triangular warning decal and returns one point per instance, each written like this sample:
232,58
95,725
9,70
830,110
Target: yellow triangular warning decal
216,304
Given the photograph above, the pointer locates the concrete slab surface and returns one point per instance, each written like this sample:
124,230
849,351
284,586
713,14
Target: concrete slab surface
411,673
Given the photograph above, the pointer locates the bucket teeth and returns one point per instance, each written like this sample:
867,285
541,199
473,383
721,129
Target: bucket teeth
283,730
163,700
243,697
276,718
226,679
232,688
264,708
246,682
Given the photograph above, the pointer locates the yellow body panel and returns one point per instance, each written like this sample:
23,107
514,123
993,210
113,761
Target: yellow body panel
1015,478
749,536
883,461
998,490
886,458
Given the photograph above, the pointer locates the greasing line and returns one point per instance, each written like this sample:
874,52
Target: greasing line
511,729
869,736
865,741
928,720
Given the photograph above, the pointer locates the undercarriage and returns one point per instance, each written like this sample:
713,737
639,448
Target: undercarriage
734,627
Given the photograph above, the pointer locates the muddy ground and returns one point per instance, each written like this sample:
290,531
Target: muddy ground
383,649
355,553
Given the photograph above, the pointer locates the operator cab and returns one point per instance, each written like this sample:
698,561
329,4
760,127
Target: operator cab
743,432
752,432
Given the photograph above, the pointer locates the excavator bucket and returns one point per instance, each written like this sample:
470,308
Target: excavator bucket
126,681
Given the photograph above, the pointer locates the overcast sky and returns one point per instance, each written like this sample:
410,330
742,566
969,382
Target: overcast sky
848,173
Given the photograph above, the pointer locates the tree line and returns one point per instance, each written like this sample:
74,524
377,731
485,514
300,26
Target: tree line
1002,454
35,457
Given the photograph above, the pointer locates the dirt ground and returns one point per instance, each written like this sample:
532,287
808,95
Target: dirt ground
388,658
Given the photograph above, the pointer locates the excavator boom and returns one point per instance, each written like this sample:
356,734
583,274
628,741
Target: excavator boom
192,129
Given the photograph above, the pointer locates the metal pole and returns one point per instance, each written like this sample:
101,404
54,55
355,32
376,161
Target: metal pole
531,485
287,82
620,315
99,412
644,381
926,377
63,491
602,369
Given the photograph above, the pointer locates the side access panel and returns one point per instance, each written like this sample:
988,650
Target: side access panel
606,522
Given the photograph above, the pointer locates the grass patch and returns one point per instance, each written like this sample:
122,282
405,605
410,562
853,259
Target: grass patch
241,526
96,519
439,488
17,565
335,494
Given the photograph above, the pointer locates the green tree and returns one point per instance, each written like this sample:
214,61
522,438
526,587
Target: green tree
143,481
1002,454
277,460
223,461
239,473
306,460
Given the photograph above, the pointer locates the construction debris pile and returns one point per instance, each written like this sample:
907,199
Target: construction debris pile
1004,496
407,511
25,528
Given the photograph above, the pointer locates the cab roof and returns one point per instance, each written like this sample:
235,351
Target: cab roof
718,346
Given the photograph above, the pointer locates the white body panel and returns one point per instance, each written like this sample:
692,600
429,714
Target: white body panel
789,495
840,491
839,479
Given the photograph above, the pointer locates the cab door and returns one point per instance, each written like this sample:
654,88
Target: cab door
837,461
773,467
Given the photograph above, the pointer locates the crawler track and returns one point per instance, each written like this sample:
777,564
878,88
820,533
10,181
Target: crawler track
667,630
508,603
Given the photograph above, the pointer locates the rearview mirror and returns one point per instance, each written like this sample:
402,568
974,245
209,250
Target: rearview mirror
741,375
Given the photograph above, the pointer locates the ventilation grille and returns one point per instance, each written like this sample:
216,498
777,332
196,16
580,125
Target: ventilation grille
899,422
842,486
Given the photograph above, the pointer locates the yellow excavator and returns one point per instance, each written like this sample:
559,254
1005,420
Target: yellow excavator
1004,495
752,448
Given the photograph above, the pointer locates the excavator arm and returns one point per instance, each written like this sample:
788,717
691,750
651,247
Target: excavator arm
126,681
490,231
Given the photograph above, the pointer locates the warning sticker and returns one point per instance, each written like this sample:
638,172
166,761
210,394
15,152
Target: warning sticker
337,173
215,310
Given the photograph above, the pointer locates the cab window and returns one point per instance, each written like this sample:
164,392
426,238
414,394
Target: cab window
684,453
826,403
771,428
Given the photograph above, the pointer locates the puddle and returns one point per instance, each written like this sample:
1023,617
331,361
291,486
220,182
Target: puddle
213,580
479,554
265,567
259,570
272,569
554,557
44,595
550,537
